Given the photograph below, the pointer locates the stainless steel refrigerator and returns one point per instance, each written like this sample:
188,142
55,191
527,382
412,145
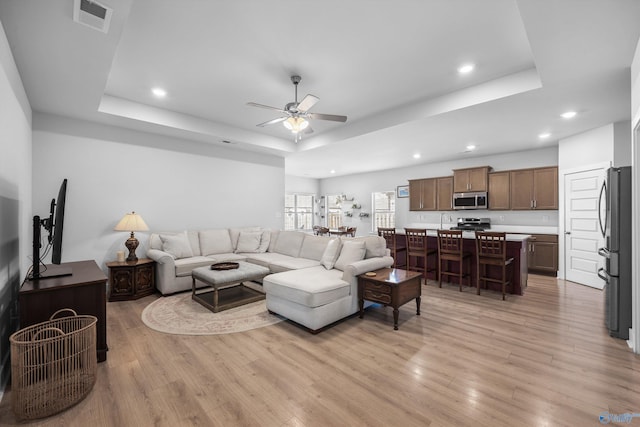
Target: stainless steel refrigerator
615,225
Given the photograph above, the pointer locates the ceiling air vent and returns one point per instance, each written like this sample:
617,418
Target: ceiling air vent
92,14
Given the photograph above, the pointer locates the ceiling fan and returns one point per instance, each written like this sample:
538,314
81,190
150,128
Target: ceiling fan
296,114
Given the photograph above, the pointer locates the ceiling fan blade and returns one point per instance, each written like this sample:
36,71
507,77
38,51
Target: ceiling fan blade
307,102
272,122
254,104
332,117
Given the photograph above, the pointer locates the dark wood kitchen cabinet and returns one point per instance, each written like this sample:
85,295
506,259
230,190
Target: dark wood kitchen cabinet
423,194
472,179
430,194
444,189
543,254
500,190
534,189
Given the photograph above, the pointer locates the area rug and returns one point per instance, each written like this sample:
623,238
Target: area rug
179,314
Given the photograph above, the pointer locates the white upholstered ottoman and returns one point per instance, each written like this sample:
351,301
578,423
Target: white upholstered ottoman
225,288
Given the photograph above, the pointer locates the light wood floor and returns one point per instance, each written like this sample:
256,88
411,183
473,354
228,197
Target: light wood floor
543,359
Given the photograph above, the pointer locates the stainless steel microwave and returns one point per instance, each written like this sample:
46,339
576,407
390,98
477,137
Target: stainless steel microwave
477,200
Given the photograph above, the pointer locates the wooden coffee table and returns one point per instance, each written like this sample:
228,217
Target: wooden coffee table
390,286
225,288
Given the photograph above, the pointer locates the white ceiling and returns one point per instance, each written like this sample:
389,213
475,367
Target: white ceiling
390,66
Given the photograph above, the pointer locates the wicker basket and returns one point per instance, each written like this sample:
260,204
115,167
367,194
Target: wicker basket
53,364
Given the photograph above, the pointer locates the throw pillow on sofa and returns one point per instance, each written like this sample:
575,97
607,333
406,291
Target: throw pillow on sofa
265,240
330,255
249,241
375,246
176,245
352,251
216,241
234,234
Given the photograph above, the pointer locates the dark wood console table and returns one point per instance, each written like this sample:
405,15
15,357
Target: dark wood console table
84,291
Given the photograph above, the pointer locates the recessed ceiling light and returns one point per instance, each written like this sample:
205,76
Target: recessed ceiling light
544,135
159,92
466,68
416,156
333,171
471,147
568,115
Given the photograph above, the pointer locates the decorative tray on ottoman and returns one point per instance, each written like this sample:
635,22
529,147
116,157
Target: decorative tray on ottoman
225,266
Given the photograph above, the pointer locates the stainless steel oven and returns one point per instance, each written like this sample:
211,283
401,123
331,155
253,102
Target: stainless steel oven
477,200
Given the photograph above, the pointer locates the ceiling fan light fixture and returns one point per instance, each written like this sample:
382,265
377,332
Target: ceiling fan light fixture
295,124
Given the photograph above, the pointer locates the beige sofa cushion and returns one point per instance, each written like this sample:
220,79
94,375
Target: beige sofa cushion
313,246
292,264
249,241
331,253
215,242
156,243
267,258
375,246
185,265
352,251
234,234
311,287
230,257
176,245
289,243
272,240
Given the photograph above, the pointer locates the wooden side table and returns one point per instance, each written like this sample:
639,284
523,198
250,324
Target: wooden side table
390,286
131,280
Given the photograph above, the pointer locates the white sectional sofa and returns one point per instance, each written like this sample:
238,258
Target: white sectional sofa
314,280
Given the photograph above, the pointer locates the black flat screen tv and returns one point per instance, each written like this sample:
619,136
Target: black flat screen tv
54,226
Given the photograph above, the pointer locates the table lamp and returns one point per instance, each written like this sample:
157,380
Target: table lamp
131,222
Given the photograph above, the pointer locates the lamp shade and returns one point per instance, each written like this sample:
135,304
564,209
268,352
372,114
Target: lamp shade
131,222
295,124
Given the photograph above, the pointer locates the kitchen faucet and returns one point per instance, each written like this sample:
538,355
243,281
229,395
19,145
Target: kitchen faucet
441,216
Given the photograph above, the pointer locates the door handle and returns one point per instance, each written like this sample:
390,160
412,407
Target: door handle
603,190
567,232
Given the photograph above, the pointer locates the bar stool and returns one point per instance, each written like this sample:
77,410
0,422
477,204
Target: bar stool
395,247
450,249
418,248
491,249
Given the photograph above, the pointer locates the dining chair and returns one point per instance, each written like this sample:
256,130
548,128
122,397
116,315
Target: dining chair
491,249
418,249
394,245
351,231
450,250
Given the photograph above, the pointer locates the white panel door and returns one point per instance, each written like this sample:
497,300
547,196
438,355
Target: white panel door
582,231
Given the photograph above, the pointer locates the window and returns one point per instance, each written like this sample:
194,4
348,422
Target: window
298,211
384,209
334,211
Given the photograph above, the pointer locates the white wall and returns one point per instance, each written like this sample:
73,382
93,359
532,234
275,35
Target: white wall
622,143
298,184
635,162
15,196
591,147
361,186
113,171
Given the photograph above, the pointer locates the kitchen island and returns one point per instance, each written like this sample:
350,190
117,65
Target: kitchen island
516,249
